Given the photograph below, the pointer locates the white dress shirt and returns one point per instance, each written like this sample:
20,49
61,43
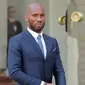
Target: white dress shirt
35,35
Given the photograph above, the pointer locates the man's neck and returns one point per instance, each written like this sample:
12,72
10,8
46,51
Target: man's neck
35,31
34,34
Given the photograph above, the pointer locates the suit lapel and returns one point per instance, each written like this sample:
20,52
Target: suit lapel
29,38
48,45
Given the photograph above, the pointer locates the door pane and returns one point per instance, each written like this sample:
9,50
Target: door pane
76,33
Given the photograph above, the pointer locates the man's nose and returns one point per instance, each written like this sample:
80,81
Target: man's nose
39,18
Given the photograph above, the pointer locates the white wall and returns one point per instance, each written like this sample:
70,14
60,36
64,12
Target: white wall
3,33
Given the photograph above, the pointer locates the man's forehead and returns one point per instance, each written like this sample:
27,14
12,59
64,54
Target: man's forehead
35,7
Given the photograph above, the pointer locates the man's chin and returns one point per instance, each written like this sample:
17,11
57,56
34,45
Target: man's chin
38,30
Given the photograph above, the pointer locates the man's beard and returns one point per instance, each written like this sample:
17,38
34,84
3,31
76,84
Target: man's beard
38,30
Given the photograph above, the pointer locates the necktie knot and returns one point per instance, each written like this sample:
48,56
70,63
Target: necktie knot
39,37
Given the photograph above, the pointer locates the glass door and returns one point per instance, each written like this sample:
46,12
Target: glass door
76,42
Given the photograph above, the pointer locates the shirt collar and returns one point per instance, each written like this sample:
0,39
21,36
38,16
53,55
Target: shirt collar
34,34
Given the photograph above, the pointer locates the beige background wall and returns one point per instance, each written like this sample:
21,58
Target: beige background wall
3,32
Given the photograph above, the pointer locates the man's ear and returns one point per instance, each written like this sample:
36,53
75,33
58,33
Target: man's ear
26,18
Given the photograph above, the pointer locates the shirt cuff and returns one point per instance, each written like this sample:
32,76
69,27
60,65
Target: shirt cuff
42,83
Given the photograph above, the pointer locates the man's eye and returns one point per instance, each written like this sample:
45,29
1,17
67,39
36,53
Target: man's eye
35,15
42,15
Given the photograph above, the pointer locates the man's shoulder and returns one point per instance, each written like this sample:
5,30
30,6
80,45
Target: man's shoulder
18,37
51,39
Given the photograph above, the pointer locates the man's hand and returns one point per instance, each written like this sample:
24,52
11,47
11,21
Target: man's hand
50,84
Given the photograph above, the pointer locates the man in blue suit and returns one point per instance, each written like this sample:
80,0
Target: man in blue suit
33,57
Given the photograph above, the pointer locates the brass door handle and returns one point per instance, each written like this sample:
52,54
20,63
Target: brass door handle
62,20
77,16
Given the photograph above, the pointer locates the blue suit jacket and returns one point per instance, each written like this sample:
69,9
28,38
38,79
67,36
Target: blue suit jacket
26,63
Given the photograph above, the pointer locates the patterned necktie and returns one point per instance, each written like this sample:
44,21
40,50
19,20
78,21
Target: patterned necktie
40,43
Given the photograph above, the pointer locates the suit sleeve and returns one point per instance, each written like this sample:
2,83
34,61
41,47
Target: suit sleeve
15,65
58,69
